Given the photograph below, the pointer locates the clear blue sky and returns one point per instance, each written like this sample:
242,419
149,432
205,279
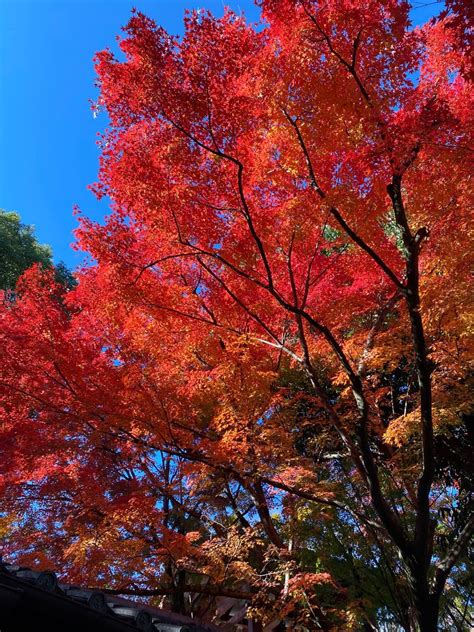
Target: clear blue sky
47,132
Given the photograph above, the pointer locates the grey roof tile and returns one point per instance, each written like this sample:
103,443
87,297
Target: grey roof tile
36,599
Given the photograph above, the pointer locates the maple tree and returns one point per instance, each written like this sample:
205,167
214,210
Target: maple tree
260,386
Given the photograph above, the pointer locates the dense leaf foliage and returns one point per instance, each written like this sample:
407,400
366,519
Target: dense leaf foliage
260,387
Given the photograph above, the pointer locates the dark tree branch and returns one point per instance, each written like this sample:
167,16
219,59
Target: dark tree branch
335,212
444,567
423,528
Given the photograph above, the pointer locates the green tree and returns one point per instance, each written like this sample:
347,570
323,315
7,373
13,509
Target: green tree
20,249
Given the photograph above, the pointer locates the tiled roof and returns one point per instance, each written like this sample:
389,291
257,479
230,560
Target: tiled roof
31,600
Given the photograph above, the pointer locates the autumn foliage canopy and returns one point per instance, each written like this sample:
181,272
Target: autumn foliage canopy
259,388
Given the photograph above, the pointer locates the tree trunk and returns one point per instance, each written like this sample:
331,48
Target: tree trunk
178,603
427,612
